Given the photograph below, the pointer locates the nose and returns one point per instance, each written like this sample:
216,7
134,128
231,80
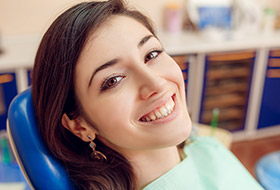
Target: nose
150,84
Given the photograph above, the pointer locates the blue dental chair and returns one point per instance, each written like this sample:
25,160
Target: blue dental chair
40,168
267,171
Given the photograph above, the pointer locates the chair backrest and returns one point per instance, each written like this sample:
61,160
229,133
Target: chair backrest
39,166
267,171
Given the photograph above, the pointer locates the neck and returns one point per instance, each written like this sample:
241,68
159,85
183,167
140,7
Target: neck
151,164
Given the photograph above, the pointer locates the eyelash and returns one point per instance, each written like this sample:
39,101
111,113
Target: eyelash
118,78
158,51
106,82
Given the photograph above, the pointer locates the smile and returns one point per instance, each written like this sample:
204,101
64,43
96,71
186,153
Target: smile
160,112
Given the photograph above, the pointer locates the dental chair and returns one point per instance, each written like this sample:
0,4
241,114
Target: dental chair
40,168
267,170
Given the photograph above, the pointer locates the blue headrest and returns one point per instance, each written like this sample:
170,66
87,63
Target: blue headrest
268,171
42,169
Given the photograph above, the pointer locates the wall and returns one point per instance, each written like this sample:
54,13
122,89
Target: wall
19,17
29,16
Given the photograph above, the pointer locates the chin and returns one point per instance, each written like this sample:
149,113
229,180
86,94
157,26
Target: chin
186,129
185,134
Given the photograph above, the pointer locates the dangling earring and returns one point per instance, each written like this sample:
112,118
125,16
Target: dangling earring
96,154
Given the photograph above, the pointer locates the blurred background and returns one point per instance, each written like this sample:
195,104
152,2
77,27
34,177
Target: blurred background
228,50
18,17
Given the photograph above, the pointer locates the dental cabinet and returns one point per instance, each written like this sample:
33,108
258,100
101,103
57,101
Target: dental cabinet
238,75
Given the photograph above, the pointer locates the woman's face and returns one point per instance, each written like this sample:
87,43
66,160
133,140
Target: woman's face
131,91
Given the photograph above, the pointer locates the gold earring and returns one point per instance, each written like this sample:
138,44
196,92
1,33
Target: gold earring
96,154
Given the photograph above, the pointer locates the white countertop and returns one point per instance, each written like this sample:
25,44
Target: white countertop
192,43
19,52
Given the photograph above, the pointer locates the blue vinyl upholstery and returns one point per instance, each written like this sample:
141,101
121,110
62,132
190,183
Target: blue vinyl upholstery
37,163
268,171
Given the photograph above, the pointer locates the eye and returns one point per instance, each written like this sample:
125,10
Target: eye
152,55
111,82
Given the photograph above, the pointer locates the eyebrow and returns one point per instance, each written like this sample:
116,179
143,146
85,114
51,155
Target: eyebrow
117,60
144,40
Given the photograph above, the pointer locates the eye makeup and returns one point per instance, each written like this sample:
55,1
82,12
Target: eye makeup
111,82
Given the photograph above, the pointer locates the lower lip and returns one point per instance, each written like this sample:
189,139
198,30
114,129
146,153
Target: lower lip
168,118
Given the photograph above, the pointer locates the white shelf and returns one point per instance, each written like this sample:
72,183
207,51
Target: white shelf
195,43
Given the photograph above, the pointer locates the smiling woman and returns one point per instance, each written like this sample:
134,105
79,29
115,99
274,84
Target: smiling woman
110,102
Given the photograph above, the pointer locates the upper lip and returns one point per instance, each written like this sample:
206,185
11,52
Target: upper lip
157,103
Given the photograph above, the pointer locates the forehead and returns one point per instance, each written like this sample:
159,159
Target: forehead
112,38
115,29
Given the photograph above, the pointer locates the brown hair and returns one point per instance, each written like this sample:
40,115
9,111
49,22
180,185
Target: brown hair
53,94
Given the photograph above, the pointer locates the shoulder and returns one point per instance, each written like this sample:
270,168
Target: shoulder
202,144
216,163
209,154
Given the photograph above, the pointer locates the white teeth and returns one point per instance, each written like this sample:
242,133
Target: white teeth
158,114
161,112
172,103
152,117
168,107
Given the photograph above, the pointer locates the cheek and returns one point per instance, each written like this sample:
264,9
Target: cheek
178,74
112,115
174,73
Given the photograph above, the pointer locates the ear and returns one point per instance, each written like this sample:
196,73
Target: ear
78,127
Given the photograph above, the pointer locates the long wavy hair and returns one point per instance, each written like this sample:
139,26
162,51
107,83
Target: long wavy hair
53,93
